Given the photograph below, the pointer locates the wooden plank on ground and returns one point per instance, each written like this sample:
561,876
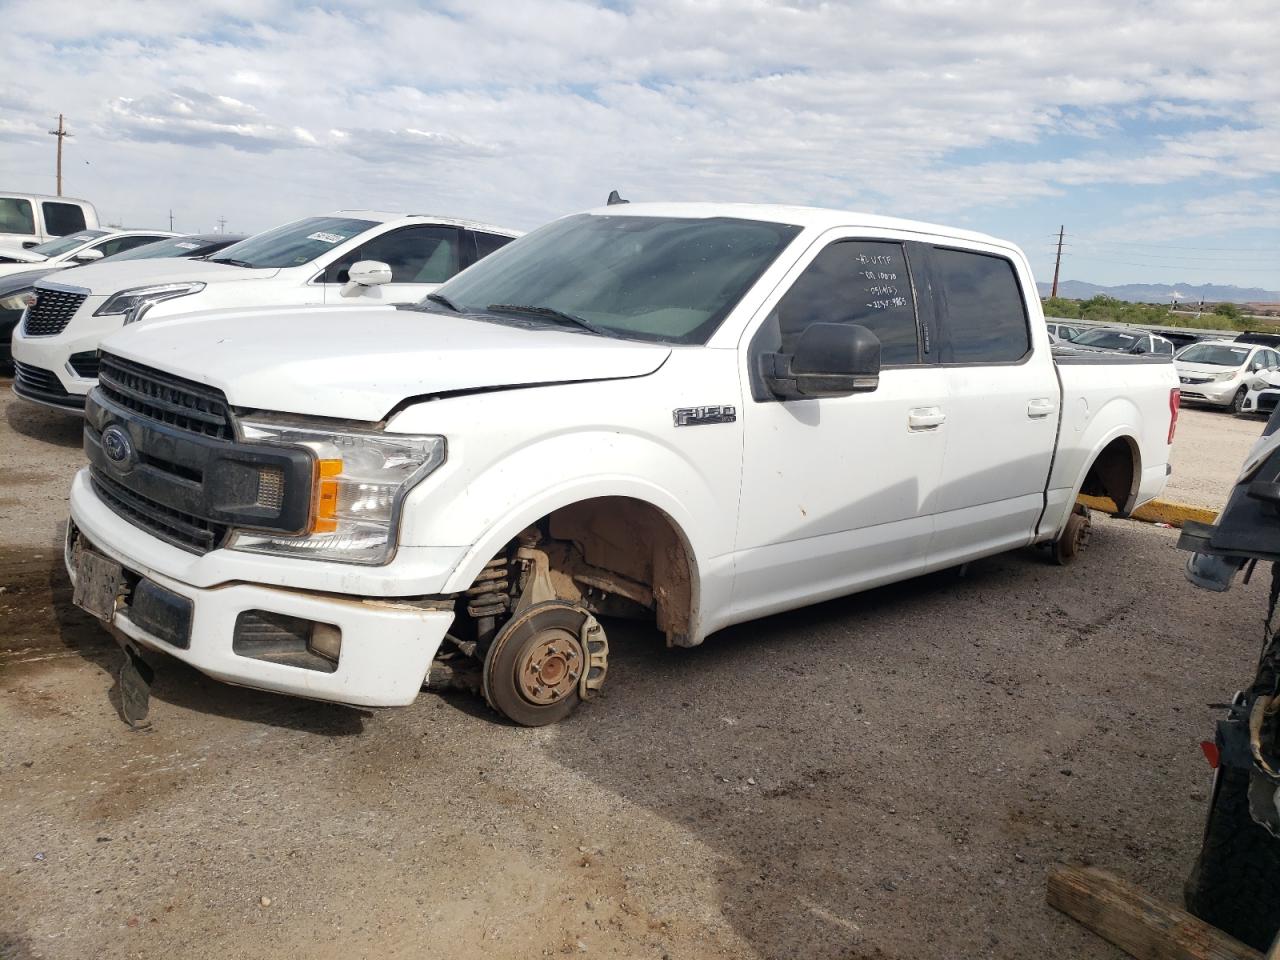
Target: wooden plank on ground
1137,923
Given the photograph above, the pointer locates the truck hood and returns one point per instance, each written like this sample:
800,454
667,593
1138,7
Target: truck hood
103,279
359,363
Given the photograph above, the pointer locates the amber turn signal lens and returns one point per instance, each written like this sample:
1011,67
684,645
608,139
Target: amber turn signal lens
326,502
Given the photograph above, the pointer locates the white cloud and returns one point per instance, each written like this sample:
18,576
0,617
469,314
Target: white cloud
519,112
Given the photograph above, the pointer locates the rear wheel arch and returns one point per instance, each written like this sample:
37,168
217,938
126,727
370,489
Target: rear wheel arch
1115,473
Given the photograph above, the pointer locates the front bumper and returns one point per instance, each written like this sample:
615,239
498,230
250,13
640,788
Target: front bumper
57,357
387,645
1211,392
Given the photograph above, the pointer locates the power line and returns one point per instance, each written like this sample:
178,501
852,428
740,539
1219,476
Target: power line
1179,266
1171,246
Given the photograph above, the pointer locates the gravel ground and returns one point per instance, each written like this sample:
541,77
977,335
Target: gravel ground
889,775
1208,449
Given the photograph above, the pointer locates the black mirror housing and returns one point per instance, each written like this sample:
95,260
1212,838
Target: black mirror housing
830,360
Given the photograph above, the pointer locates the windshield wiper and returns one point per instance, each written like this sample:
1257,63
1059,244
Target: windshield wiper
232,261
551,313
441,298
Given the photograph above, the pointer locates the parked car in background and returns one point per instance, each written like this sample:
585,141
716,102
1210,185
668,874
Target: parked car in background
81,247
1217,372
1264,392
346,259
1121,340
27,219
647,410
1062,330
17,290
1181,338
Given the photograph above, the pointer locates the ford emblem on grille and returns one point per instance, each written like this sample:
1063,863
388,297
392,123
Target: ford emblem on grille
117,446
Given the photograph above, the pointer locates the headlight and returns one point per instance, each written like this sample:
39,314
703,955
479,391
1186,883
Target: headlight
133,304
360,479
1224,376
17,301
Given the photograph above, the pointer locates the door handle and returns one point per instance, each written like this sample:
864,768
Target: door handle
1040,407
925,418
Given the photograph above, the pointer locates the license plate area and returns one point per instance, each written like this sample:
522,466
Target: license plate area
99,583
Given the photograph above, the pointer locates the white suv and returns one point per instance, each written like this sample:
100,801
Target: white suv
348,258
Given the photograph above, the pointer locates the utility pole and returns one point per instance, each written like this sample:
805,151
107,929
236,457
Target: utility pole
61,133
1057,264
222,224
171,221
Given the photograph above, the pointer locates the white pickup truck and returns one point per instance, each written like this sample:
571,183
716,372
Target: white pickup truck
698,413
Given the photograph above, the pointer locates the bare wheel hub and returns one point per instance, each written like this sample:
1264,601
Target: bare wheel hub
549,670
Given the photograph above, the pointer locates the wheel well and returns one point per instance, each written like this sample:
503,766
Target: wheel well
643,546
1114,474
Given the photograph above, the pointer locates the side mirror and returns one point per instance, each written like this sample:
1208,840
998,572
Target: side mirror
830,360
87,256
369,273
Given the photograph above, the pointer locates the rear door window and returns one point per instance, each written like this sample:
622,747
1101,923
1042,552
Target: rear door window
486,243
62,218
855,281
414,254
986,318
16,216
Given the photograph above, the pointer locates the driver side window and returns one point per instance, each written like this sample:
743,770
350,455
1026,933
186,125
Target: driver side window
414,254
854,281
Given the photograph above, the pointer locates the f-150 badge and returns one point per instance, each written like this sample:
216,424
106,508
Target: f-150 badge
697,416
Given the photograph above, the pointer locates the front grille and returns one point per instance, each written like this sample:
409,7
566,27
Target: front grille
1267,401
39,381
165,398
181,529
51,312
85,364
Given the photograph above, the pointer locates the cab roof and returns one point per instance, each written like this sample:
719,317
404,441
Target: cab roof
819,218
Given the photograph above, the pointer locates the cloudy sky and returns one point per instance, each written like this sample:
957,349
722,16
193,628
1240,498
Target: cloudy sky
1151,130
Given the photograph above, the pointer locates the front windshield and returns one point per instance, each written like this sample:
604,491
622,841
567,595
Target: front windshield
173,247
1107,339
51,248
293,244
671,279
1215,354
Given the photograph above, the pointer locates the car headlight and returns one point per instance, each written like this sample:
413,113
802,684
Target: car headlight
133,304
18,301
360,479
1230,374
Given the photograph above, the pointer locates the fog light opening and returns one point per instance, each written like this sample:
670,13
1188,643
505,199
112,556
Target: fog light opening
326,641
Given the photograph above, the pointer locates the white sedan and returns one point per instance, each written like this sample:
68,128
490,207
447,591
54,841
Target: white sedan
83,246
1220,372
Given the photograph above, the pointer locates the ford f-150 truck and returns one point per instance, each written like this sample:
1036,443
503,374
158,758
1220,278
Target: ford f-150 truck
696,413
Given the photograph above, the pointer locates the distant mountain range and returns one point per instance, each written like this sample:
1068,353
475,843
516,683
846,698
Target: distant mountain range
1163,292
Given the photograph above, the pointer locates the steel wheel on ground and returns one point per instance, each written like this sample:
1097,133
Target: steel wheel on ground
1075,535
1237,402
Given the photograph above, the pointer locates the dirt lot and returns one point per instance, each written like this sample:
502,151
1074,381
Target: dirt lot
1207,453
890,775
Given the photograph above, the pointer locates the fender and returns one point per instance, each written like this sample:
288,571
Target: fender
1113,422
529,511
